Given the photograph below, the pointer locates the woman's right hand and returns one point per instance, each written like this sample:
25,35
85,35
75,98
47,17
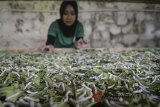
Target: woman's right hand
49,48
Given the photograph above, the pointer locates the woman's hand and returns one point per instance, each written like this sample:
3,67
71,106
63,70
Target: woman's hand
49,48
81,43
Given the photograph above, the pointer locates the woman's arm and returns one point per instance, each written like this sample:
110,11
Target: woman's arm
78,38
50,40
49,44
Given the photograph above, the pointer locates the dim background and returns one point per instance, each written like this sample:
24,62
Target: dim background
24,24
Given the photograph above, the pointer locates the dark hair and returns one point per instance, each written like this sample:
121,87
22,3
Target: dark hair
65,4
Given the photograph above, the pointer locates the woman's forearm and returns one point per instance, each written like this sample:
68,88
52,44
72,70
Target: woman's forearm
78,38
50,40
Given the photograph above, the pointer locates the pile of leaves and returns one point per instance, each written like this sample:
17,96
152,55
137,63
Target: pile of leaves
85,78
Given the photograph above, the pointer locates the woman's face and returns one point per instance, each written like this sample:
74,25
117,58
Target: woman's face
69,16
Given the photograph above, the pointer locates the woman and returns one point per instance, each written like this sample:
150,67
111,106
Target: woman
66,32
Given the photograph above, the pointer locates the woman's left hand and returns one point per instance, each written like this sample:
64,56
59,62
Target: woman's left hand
81,43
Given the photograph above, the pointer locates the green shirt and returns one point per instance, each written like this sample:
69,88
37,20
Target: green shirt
61,40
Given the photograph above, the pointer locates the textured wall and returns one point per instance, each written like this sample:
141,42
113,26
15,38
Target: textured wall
24,24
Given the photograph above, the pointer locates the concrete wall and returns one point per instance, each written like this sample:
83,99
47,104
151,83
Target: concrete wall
24,24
